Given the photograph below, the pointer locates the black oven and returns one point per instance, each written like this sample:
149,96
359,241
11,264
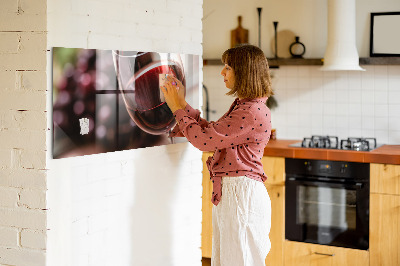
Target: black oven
327,202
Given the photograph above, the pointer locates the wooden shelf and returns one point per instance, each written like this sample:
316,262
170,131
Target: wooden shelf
274,63
380,61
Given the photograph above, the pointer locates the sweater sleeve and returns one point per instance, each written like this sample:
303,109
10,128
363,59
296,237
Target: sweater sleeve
193,113
229,131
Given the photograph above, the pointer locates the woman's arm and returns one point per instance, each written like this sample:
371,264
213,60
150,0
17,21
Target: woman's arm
174,95
239,127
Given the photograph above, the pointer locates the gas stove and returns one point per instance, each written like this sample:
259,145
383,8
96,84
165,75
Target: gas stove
332,142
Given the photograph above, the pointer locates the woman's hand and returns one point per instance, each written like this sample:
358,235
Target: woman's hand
174,93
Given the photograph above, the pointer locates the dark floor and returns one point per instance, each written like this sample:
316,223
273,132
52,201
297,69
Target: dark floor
206,261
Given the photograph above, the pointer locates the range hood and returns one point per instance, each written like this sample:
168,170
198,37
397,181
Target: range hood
341,51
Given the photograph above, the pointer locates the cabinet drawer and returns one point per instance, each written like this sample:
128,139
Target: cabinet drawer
305,254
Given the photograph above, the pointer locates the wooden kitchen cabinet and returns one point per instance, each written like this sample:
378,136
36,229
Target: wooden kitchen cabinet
277,233
274,168
384,236
206,232
385,178
306,254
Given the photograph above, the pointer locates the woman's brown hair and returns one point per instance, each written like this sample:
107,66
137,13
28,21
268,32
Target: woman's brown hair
250,66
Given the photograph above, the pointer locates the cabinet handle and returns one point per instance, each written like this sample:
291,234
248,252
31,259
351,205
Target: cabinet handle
325,254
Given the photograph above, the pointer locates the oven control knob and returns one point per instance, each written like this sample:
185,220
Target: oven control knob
308,166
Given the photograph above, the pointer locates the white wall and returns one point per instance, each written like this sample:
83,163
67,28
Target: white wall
135,207
305,18
311,102
23,132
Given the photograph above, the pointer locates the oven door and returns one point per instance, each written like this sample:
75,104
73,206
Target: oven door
327,213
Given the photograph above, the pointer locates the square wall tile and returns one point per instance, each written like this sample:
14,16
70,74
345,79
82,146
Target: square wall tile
381,84
382,110
382,136
355,109
367,96
394,110
394,97
381,97
394,137
367,122
381,123
380,71
291,71
394,123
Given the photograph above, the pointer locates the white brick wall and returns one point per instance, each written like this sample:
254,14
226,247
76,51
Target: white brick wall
23,132
136,207
100,206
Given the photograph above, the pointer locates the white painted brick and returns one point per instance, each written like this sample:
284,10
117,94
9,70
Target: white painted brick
168,19
22,100
23,16
114,186
156,32
9,237
130,43
34,7
179,7
104,12
33,159
33,239
191,22
29,119
31,56
8,197
80,227
107,41
9,42
98,222
25,139
23,218
196,10
31,80
17,256
7,80
5,158
149,6
33,199
23,178
8,6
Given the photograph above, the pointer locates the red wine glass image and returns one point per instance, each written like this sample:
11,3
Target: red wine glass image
139,75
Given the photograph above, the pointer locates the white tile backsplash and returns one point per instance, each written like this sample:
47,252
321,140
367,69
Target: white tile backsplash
343,103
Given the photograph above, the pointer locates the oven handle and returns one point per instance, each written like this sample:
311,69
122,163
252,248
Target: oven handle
357,185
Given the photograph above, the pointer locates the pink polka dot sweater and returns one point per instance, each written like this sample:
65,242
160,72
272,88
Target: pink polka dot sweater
238,139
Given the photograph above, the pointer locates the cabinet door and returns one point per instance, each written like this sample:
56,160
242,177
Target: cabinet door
274,168
384,229
206,233
305,254
385,178
277,233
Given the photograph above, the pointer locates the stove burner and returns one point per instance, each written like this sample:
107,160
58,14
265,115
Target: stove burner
328,142
358,144
332,142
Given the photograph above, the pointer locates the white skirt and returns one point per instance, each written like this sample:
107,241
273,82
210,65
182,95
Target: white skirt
241,223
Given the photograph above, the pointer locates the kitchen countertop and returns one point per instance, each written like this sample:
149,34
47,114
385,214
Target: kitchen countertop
389,154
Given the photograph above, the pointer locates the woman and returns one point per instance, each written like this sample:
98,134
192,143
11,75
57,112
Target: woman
242,208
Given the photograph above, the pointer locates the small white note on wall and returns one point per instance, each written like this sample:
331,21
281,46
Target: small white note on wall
84,124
